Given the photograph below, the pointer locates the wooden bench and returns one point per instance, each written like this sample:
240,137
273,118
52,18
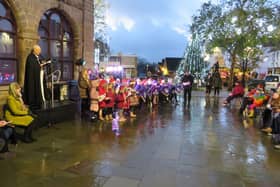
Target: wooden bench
18,128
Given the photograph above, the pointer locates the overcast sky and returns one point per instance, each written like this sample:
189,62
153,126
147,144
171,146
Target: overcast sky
151,29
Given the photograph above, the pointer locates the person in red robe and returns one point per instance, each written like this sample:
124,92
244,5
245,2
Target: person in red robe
102,97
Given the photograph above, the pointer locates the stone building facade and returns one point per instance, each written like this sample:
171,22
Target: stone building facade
121,65
28,19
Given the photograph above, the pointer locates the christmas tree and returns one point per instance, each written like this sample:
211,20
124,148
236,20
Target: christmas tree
192,60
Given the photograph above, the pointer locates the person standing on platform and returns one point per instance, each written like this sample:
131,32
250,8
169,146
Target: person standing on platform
34,80
187,82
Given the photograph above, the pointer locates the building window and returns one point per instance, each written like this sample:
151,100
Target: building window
8,61
56,41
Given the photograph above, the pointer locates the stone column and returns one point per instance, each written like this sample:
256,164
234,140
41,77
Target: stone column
88,33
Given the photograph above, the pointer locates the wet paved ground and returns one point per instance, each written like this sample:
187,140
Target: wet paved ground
205,145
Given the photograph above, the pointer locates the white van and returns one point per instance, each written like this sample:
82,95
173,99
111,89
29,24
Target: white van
272,81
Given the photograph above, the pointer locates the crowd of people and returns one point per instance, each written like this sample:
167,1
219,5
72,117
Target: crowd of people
258,101
114,99
106,97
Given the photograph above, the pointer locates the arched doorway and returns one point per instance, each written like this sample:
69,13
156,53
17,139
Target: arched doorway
8,60
56,41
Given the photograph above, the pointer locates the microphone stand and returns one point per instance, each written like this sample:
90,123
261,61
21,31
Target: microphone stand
58,72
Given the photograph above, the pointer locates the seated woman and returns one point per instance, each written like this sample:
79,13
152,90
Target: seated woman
7,133
18,113
249,98
274,129
238,91
274,106
258,99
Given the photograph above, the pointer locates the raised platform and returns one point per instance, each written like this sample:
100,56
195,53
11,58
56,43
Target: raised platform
60,111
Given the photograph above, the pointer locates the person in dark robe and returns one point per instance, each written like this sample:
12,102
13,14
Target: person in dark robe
33,94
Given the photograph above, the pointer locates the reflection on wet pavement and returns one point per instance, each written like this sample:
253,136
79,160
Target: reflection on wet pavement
204,145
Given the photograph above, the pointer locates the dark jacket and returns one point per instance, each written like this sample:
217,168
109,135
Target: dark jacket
217,81
187,81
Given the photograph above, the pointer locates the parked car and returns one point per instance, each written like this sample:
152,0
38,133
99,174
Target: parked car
272,81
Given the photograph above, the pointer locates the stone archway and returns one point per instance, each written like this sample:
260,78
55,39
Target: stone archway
76,31
57,42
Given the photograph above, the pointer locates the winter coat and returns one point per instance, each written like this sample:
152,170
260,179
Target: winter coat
187,81
111,98
122,102
17,112
101,97
275,103
94,95
208,81
83,83
238,90
217,81
133,98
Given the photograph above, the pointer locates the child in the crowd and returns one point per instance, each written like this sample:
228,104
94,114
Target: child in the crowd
102,97
110,101
133,99
122,102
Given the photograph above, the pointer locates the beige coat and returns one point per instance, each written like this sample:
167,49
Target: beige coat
83,83
94,95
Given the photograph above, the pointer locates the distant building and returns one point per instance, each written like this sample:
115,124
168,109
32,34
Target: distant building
120,65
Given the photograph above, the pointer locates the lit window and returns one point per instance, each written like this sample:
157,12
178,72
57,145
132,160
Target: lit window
56,41
8,61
